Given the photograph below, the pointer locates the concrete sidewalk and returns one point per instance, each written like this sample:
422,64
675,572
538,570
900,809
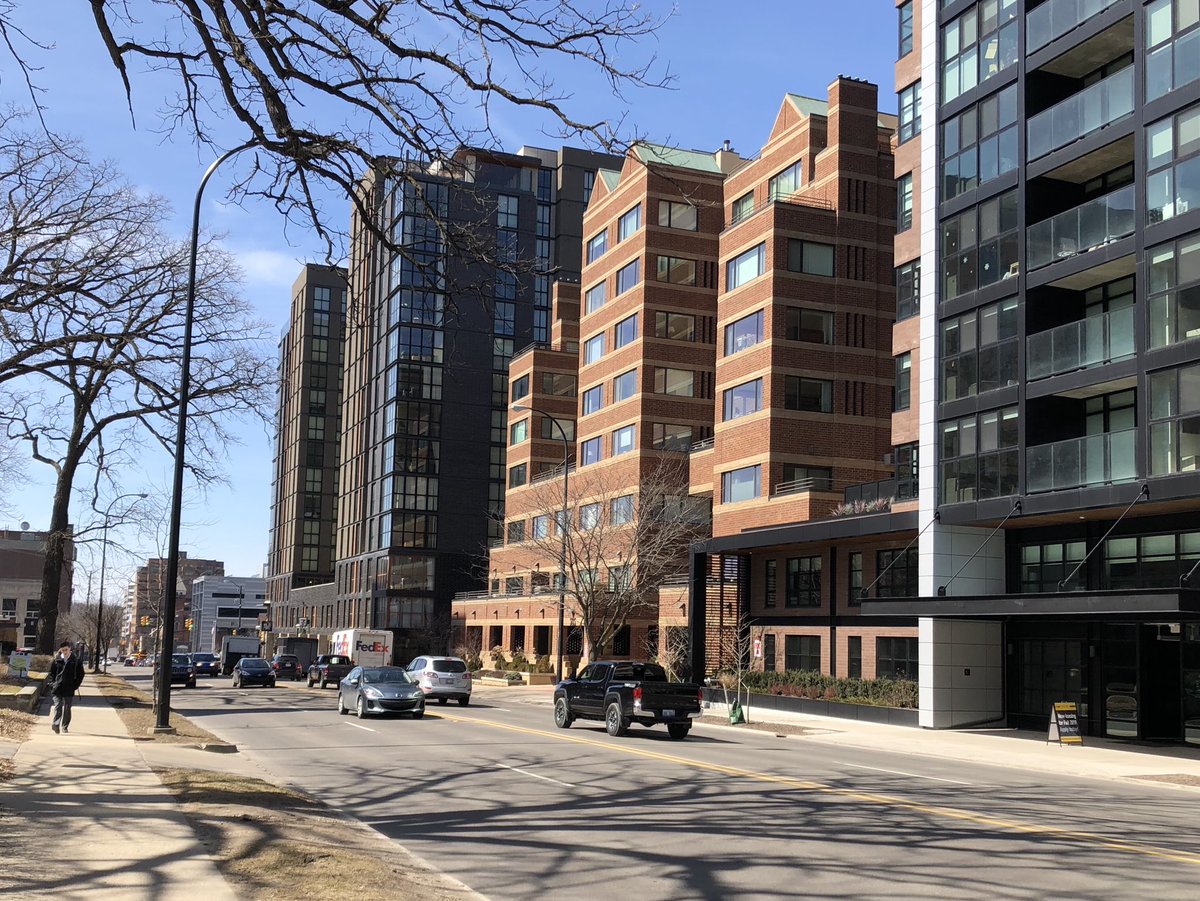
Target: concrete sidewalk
93,821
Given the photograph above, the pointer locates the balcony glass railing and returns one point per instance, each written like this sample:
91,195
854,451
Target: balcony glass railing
1088,227
1081,114
1055,18
1078,462
1078,345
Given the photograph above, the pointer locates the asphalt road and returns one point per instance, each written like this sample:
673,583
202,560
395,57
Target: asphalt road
495,795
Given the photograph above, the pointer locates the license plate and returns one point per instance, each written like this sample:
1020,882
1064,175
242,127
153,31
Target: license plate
450,679
668,713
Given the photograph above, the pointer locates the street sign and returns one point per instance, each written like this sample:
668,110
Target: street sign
758,649
1064,724
18,665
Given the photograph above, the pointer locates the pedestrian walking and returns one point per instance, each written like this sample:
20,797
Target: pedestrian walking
66,675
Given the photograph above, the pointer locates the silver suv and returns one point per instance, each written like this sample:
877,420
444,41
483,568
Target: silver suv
442,678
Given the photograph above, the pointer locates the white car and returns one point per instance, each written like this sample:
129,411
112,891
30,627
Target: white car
442,678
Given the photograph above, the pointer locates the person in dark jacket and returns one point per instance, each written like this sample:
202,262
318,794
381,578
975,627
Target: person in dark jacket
66,675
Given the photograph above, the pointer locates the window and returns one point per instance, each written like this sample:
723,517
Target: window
518,475
786,183
1173,41
810,395
805,478
770,583
854,580
629,223
896,658
676,326
804,582
740,484
593,399
903,381
907,459
520,387
676,270
1150,561
677,215
979,350
670,437
1175,291
628,276
979,246
680,382
594,297
589,452
593,349
597,246
621,510
746,332
1043,566
980,43
506,211
625,386
979,456
589,182
623,440
815,326
1175,420
541,527
742,207
908,290
626,331
769,653
1173,160
910,112
518,432
550,431
897,573
854,648
810,257
589,516
802,652
744,399
906,28
904,202
980,144
745,267
558,384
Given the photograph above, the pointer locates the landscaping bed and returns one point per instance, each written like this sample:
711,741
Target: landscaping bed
136,710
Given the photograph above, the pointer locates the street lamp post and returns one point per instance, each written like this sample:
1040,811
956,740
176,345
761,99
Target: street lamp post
100,652
162,718
562,532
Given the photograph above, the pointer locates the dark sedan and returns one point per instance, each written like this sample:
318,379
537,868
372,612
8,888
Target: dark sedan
206,665
253,671
380,689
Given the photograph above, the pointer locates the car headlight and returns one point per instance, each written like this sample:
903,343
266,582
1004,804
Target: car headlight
372,692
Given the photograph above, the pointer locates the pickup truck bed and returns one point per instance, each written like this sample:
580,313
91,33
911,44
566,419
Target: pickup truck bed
621,693
329,669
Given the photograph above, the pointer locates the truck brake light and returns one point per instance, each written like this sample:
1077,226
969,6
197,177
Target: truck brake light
637,692
701,694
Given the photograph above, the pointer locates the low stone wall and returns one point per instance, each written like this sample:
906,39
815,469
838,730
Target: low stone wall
764,705
26,699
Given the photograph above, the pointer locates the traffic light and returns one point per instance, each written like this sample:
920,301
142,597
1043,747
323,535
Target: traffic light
145,620
187,624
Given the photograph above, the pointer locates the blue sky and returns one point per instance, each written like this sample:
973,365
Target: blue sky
732,65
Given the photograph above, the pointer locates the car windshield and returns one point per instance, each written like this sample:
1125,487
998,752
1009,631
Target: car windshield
449,666
385,674
286,658
203,658
180,660
254,663
338,660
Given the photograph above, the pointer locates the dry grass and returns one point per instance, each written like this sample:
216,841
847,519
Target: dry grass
268,840
136,709
15,725
776,728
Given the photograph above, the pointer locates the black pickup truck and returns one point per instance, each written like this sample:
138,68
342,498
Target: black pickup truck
621,693
329,669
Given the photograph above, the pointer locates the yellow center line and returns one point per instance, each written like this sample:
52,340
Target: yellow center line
979,819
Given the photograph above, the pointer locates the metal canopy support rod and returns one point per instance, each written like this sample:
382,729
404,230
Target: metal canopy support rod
937,517
1016,508
1144,492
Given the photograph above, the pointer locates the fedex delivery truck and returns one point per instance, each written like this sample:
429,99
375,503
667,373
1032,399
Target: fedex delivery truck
366,647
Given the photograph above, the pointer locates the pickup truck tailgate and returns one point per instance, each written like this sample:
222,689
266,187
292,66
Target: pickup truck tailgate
681,697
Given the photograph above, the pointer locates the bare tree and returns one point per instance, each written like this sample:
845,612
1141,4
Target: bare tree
90,328
735,646
12,474
622,543
673,651
79,624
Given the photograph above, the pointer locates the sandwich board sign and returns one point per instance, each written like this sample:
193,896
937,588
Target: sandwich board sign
1064,724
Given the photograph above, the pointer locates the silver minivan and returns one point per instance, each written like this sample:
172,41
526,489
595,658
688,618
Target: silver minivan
442,678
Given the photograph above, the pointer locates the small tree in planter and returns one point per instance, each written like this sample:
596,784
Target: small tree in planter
499,661
736,643
518,664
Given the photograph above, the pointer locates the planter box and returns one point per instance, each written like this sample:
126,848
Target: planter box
538,678
26,699
493,680
892,716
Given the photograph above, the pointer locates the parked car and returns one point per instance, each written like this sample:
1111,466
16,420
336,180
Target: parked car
181,670
380,689
253,671
442,678
329,669
131,661
620,693
206,665
287,666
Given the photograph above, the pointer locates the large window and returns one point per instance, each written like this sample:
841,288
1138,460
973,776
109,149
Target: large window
742,400
1173,41
906,28
910,112
744,333
979,246
558,384
672,214
621,510
809,395
597,246
897,573
679,382
623,440
676,270
854,578
1044,566
810,257
786,183
741,484
802,652
854,647
676,326
592,399
980,143
908,290
1175,420
1175,291
625,386
629,223
979,350
506,211
745,267
552,432
626,331
979,456
541,527
904,202
628,276
742,207
589,516
518,432
896,658
907,463
1173,160
980,43
520,387
589,451
771,584
815,326
594,297
1149,561
804,582
671,437
903,381
518,475
593,349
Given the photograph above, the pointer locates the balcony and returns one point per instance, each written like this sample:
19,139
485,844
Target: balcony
1055,18
1081,462
1088,227
1076,117
1078,345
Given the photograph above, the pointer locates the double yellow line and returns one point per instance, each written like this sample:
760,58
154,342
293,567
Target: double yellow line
978,819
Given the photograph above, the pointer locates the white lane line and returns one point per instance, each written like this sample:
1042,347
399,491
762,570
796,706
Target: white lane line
517,769
859,766
357,726
502,709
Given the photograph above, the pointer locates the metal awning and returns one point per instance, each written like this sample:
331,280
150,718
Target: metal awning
1138,604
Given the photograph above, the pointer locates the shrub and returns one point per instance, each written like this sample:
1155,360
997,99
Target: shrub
860,507
499,661
543,664
816,686
518,664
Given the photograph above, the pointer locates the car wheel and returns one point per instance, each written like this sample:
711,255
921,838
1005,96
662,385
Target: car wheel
341,707
562,714
361,710
463,702
615,723
678,731
442,701
417,714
